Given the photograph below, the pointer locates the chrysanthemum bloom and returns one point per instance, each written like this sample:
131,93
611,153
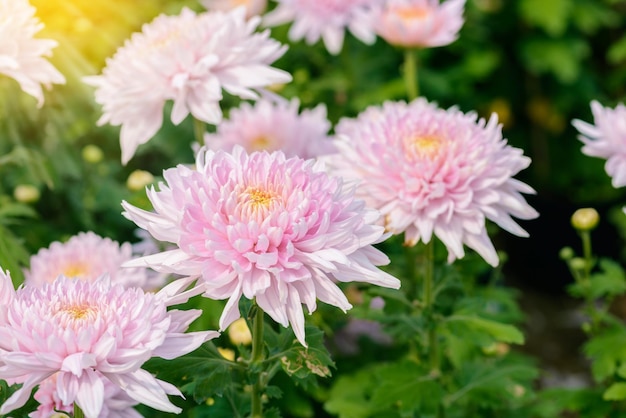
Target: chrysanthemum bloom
253,7
86,256
22,55
326,19
419,23
85,332
277,230
116,403
430,170
606,139
187,58
273,126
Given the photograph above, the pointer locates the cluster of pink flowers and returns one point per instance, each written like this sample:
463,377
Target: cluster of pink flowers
277,230
22,55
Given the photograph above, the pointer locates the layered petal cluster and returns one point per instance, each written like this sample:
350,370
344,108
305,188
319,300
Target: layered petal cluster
86,256
253,7
325,19
273,126
419,23
275,229
22,55
86,333
188,58
116,403
434,171
606,139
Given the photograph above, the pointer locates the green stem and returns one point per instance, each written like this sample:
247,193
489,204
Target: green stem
585,237
257,357
199,128
428,301
410,73
78,413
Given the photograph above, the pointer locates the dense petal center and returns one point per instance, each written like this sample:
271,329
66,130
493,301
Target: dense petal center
74,315
256,203
421,147
410,14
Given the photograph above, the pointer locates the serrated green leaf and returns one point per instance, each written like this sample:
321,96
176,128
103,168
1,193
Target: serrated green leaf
607,351
501,332
615,392
552,16
610,282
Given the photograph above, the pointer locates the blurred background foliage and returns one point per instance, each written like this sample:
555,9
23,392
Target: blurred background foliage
535,63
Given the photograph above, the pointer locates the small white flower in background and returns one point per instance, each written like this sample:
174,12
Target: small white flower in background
22,55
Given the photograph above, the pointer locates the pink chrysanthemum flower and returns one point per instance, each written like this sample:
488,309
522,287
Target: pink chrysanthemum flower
273,126
22,55
253,7
87,256
606,139
326,19
277,230
419,23
429,170
86,332
187,58
116,403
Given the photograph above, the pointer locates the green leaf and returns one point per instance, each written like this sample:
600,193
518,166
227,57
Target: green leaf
408,387
610,282
501,332
606,351
13,255
552,16
617,51
615,392
13,210
562,58
349,397
300,362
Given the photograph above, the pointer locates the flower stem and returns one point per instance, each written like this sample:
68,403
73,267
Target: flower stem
199,129
257,357
78,413
428,301
410,73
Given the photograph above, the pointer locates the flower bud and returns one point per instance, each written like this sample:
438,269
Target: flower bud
585,219
227,353
26,193
92,154
139,179
239,333
566,253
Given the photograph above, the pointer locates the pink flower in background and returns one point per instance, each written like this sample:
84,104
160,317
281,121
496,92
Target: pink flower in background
87,256
189,59
419,23
87,332
325,19
277,230
22,55
606,139
253,7
434,171
116,403
273,126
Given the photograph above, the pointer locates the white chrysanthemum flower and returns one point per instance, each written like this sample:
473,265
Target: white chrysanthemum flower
22,55
189,59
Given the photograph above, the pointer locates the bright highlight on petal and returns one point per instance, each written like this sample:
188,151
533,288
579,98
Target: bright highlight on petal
188,59
434,171
606,139
22,55
275,229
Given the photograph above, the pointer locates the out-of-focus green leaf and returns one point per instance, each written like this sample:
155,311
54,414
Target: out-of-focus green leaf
552,16
615,392
560,57
617,51
606,351
501,332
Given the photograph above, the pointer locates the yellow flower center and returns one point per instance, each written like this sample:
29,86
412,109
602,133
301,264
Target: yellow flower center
427,146
80,270
260,197
260,143
256,203
412,13
78,312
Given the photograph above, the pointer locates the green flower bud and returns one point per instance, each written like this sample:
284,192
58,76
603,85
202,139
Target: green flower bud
566,253
92,154
26,193
585,219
